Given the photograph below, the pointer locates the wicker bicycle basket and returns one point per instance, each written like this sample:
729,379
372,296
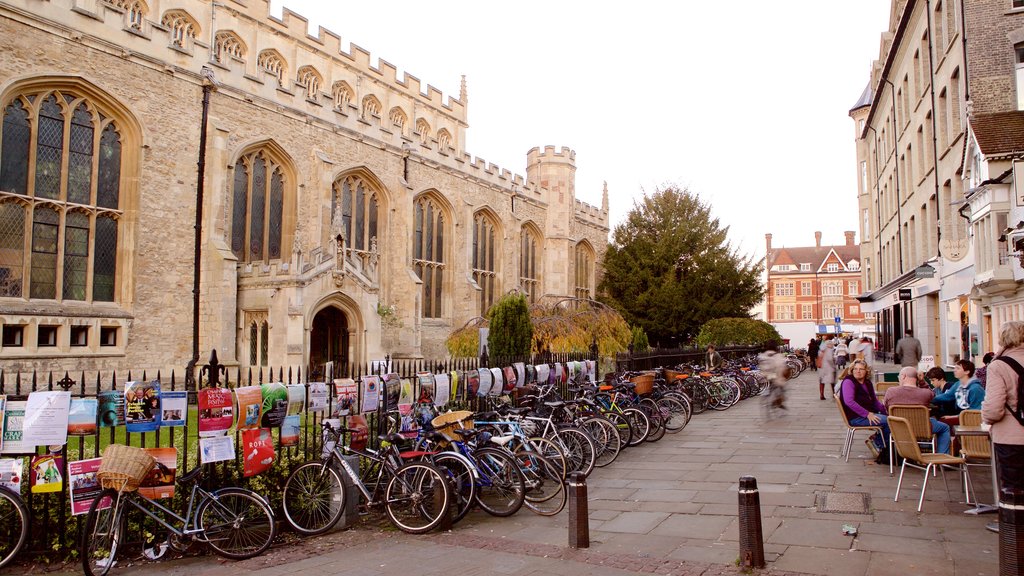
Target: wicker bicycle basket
447,423
124,467
644,383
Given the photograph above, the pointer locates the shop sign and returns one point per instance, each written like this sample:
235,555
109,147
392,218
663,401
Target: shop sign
905,294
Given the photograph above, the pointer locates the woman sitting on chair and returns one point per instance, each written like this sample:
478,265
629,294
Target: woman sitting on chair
863,408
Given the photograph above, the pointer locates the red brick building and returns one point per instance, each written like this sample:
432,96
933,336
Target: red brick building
814,284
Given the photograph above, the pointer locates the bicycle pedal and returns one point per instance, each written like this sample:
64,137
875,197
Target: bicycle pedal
363,510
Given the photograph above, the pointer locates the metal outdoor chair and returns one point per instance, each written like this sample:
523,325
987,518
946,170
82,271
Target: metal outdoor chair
881,387
920,423
975,450
851,429
908,448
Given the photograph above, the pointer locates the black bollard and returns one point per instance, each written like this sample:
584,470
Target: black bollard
446,491
751,536
579,520
1011,532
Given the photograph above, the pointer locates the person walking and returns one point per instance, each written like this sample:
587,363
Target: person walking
827,374
812,351
908,350
714,359
842,354
1001,406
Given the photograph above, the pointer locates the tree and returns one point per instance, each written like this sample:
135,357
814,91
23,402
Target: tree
670,268
511,331
640,342
741,331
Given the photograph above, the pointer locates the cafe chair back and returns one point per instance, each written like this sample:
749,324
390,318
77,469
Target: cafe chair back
920,424
850,429
907,447
975,450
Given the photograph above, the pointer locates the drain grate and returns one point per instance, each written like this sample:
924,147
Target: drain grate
843,502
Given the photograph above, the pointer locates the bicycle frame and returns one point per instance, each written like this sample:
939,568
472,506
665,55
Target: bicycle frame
141,503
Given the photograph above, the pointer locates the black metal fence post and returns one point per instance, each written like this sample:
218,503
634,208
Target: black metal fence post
579,516
751,537
1011,532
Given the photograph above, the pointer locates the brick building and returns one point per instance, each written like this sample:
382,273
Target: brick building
810,286
939,135
342,218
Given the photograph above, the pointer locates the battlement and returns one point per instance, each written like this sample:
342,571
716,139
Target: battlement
564,154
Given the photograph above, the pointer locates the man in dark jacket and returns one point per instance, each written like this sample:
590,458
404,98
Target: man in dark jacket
908,350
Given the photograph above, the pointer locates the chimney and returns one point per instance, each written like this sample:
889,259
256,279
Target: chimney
849,237
817,239
768,250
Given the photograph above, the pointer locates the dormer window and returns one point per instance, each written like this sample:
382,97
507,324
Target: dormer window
805,267
853,265
833,267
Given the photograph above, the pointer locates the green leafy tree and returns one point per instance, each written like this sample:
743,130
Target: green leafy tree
737,331
511,330
670,267
640,342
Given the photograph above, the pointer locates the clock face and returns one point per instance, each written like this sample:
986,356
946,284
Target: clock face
954,249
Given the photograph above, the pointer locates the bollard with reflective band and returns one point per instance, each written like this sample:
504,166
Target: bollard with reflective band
579,520
1011,532
751,538
439,498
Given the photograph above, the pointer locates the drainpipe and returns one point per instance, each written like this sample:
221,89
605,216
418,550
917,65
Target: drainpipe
878,211
208,87
935,131
896,170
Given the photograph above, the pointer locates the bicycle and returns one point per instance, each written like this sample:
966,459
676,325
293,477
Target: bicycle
13,525
414,495
235,522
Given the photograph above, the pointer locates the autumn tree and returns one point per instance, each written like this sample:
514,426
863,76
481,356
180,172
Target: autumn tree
670,268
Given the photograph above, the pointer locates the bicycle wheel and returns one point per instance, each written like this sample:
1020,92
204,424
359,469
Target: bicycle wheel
676,413
236,523
623,428
580,451
545,491
461,481
103,534
313,498
639,425
13,525
549,450
416,498
502,488
611,442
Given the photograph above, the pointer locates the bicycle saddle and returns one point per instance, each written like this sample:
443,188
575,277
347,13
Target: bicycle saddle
192,475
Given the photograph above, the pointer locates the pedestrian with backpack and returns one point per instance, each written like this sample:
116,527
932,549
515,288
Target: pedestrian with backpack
1002,407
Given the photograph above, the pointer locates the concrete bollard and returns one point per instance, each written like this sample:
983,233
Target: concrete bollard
1011,533
579,516
751,536
439,496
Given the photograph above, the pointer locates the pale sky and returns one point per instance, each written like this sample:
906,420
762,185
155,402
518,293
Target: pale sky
744,102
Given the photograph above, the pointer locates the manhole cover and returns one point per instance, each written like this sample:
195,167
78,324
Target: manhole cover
843,502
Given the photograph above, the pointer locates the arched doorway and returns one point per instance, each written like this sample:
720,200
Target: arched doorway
328,342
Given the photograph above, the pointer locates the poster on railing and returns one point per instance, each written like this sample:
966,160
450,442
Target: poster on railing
357,440
84,486
380,366
216,449
296,399
159,483
454,379
472,384
392,390
346,397
46,418
510,379
543,374
520,369
142,406
427,388
559,374
406,392
12,471
442,389
47,473
250,406
174,407
82,417
14,421
592,371
290,430
485,380
317,400
408,426
275,404
111,408
257,451
216,411
371,393
498,383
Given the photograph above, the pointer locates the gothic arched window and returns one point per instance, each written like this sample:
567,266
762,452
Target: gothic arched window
429,232
528,267
182,27
485,253
343,95
60,198
270,62
311,80
358,203
258,206
584,271
228,45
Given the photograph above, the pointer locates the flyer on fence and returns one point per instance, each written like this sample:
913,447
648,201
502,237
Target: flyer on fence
317,397
257,451
46,418
174,407
290,430
426,385
142,406
215,411
357,440
498,381
392,390
250,407
485,378
111,408
14,420
442,389
346,397
82,417
216,449
159,483
3,403
296,398
84,486
371,393
47,473
275,404
12,471
510,379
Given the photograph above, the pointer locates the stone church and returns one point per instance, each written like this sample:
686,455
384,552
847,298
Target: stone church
341,217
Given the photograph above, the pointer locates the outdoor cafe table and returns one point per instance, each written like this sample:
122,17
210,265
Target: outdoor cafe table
983,508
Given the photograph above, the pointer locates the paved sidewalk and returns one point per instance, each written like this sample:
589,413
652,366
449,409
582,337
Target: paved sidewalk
670,508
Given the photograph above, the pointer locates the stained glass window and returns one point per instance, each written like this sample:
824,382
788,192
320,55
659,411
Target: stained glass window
428,253
257,213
